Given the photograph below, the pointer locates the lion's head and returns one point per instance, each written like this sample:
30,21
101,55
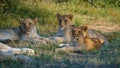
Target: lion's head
79,32
64,20
27,24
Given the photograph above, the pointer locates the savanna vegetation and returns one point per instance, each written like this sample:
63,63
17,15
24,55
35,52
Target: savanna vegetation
86,12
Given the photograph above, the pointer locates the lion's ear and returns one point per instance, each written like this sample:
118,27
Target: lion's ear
58,15
85,28
70,16
20,20
35,20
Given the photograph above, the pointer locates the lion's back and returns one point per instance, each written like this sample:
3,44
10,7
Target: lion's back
95,34
9,34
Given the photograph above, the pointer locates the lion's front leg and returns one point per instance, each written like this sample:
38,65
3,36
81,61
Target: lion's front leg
4,46
57,39
22,51
48,40
66,49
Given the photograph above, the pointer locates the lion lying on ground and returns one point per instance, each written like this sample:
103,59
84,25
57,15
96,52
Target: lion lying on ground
64,30
84,39
81,36
7,52
25,32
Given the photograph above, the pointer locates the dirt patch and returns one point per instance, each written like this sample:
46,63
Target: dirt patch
104,26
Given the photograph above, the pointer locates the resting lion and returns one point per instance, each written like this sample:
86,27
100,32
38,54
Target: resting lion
7,52
64,30
84,39
25,32
80,34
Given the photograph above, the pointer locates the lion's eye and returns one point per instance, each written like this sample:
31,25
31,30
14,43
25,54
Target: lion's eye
30,23
79,32
65,20
60,20
73,32
24,24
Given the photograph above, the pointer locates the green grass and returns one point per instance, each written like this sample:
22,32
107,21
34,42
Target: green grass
83,12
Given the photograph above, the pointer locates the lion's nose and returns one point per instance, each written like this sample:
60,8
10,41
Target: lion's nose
27,28
62,25
77,39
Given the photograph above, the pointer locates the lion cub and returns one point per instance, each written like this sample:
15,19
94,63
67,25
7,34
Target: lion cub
26,31
64,30
82,38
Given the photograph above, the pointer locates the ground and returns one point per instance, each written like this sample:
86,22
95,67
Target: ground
104,26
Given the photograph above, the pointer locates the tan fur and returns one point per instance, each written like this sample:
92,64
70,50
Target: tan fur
82,38
66,49
92,44
7,52
69,48
64,31
25,32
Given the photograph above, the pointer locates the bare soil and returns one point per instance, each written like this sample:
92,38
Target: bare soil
104,26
